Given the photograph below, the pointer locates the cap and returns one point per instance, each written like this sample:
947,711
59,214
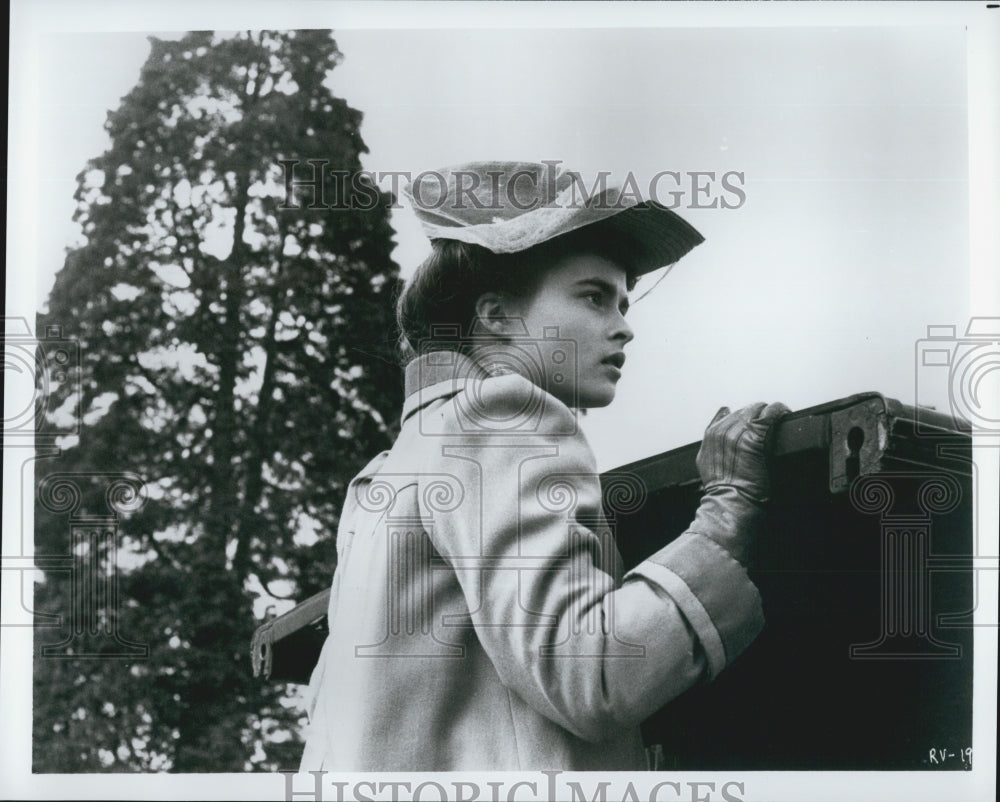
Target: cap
508,207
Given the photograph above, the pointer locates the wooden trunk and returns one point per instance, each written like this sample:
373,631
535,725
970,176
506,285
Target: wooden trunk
866,571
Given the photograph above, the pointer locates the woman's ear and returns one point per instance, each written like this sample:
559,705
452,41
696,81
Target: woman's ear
493,313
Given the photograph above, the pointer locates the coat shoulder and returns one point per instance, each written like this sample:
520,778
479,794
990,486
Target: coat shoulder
508,404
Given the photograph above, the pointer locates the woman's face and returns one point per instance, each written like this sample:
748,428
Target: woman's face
575,321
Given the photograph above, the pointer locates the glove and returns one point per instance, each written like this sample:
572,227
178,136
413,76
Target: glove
733,466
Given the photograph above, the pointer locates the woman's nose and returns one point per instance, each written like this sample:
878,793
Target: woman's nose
623,331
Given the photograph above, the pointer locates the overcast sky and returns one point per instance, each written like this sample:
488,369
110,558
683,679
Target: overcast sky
852,142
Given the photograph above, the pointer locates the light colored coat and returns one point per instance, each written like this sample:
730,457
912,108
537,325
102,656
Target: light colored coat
479,618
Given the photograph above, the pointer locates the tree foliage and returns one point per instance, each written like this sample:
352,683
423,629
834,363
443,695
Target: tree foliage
238,358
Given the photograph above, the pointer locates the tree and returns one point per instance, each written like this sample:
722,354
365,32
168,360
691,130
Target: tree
237,360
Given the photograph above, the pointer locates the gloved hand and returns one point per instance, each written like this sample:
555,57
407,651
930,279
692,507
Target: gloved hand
733,469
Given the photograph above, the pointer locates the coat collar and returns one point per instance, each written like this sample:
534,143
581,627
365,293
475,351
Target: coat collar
435,375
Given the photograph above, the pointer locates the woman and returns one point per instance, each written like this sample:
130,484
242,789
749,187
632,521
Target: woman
478,617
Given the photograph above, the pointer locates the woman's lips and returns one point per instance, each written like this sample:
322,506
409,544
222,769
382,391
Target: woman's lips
615,360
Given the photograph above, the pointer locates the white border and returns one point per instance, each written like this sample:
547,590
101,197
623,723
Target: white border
31,18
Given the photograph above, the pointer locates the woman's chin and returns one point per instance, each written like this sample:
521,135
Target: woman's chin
596,398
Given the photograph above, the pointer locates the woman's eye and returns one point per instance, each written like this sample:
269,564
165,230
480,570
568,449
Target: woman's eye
595,298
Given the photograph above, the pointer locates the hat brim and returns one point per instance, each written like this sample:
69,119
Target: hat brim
656,236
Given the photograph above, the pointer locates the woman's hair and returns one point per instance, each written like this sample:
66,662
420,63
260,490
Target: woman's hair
436,309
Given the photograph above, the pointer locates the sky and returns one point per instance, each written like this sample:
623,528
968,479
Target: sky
852,129
851,142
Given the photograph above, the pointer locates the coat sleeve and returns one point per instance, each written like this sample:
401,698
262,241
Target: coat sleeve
538,568
345,537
